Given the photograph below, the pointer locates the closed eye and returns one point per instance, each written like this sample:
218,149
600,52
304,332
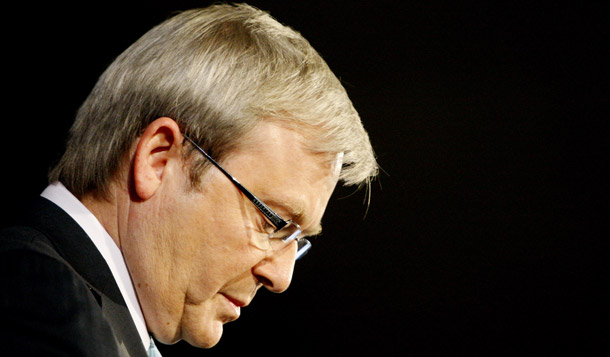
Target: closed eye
268,227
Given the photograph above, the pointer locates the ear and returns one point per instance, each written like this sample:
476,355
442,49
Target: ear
159,144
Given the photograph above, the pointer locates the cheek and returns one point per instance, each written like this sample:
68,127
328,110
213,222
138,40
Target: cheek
218,267
218,250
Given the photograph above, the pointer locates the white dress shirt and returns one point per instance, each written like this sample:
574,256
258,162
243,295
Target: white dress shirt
58,194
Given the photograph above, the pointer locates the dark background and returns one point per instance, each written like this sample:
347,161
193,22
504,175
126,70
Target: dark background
484,232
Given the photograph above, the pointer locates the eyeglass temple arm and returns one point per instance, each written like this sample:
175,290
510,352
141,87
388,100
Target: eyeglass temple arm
275,219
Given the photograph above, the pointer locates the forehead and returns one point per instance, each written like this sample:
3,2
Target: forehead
276,166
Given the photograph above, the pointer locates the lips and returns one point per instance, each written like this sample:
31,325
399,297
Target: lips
234,305
235,301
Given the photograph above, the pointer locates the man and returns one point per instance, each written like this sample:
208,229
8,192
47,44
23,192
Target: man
194,171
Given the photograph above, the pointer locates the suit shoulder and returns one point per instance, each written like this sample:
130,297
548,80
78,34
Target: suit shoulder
45,304
20,238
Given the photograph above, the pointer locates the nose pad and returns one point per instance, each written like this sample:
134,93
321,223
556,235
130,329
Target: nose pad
275,271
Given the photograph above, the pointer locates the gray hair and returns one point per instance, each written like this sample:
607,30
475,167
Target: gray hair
217,71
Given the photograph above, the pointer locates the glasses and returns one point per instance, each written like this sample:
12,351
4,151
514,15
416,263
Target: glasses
285,231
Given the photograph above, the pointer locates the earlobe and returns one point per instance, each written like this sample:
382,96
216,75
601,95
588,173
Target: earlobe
156,147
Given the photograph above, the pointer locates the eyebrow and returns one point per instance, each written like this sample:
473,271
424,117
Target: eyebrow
296,213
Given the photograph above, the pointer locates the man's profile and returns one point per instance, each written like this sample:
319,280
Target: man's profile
193,174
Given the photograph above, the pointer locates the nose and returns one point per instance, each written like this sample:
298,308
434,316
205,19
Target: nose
275,271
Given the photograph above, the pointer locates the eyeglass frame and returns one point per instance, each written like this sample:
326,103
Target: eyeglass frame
275,219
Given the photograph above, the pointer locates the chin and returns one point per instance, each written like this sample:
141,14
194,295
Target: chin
201,337
166,335
204,336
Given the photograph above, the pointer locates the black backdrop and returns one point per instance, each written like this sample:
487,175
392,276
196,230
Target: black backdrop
489,122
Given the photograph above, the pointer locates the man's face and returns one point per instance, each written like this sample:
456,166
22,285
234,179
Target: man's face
191,253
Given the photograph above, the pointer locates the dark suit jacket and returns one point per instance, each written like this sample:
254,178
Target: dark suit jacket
58,295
